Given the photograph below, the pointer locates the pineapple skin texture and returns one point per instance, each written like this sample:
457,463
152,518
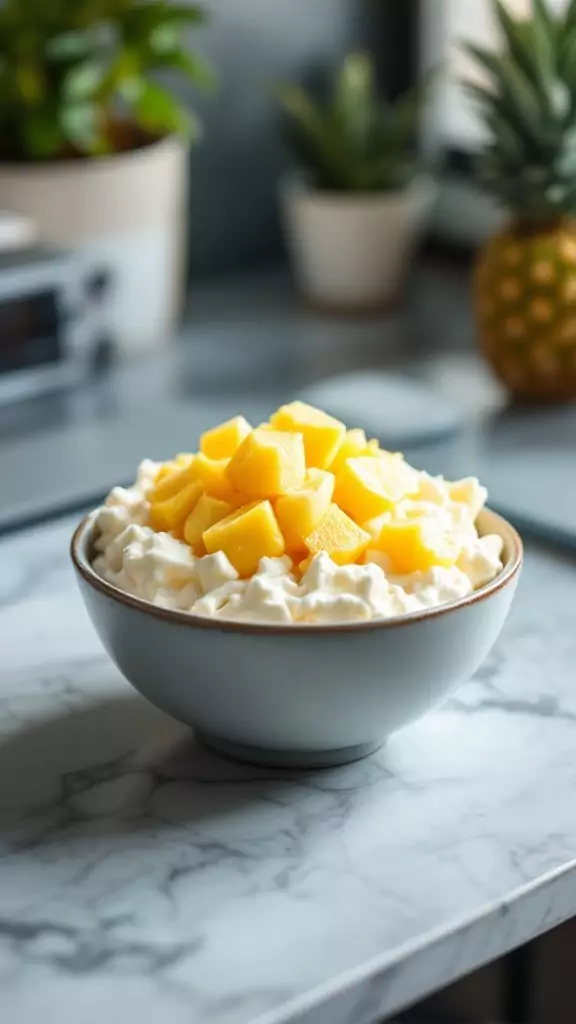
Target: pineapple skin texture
525,302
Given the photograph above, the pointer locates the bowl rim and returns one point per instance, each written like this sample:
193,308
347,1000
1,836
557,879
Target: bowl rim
501,526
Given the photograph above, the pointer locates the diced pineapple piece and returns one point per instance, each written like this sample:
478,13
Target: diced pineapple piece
339,537
213,475
305,564
373,448
367,486
206,512
174,480
170,515
374,526
268,463
221,442
299,512
416,546
353,444
246,536
322,434
166,469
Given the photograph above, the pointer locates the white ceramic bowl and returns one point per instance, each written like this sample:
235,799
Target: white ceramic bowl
298,695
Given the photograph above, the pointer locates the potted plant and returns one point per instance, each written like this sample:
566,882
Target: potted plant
355,212
93,147
525,276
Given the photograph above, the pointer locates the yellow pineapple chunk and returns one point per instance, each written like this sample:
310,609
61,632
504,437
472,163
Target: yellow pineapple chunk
167,469
246,536
322,434
299,512
305,564
268,463
368,485
339,537
416,546
170,515
206,512
353,443
213,475
173,480
221,442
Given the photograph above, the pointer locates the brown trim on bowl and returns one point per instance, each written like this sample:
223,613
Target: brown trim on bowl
511,569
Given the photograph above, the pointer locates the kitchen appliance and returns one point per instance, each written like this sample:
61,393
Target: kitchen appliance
53,325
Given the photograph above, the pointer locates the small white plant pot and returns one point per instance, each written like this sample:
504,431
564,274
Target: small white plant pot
124,214
350,253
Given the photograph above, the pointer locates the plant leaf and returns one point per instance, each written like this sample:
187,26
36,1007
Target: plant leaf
83,80
568,58
198,70
353,106
144,17
514,90
312,137
68,46
43,135
406,112
570,16
544,19
80,125
158,111
490,61
530,45
29,83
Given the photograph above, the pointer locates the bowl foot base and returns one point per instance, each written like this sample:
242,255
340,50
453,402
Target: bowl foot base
289,758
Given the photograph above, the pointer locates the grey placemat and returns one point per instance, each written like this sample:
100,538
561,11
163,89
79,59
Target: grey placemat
397,410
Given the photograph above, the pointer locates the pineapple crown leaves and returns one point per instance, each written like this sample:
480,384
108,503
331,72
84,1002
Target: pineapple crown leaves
528,105
354,142
72,72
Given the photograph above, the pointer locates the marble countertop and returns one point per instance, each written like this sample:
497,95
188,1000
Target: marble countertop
141,876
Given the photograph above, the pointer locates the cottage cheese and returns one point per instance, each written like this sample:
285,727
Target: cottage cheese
163,570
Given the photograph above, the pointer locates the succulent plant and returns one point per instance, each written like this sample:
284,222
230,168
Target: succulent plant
79,77
355,142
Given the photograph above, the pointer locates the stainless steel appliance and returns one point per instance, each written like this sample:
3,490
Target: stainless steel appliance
52,320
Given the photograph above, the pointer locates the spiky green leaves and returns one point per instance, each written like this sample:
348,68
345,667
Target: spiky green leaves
355,142
528,105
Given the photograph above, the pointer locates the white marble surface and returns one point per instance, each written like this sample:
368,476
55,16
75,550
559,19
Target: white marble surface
142,876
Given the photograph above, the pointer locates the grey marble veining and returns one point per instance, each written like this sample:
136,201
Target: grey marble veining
142,875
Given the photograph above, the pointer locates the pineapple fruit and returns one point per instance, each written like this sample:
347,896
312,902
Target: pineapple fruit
525,277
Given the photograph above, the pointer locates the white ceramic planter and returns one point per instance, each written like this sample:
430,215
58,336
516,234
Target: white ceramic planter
125,213
350,252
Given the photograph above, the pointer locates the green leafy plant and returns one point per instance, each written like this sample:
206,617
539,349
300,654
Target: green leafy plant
527,100
80,77
355,142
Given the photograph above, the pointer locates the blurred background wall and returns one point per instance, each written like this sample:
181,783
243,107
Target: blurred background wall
255,43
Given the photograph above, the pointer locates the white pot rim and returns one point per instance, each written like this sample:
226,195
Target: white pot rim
31,168
295,185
